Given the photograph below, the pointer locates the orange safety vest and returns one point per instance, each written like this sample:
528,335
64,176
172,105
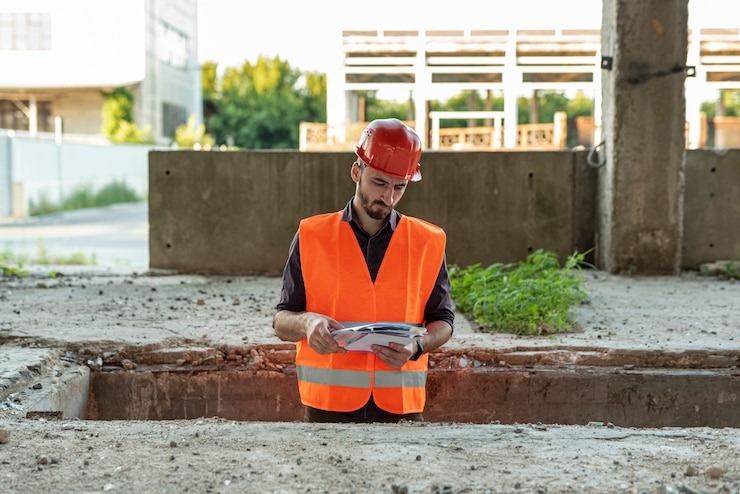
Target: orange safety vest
338,284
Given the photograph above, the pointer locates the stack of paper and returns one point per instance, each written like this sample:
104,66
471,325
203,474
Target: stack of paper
361,337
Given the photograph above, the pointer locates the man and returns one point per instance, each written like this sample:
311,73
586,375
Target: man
367,263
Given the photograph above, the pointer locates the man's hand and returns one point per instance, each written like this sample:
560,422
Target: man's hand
318,333
395,354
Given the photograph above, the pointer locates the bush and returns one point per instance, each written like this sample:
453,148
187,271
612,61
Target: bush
190,136
44,206
80,197
116,192
527,298
84,197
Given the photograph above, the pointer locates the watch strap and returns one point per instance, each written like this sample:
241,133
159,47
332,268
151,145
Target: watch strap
419,350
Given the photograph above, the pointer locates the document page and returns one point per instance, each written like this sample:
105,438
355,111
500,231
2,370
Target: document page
361,337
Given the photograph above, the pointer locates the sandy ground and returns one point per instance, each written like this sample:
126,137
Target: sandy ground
211,455
100,312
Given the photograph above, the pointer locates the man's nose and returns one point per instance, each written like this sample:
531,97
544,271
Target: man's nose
389,194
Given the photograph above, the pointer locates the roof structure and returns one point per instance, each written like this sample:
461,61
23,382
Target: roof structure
516,62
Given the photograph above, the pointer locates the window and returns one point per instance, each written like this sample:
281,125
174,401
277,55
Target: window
172,117
172,46
25,32
13,115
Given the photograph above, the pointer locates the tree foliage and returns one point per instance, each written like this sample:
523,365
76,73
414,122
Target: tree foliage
261,105
209,80
190,135
117,108
118,121
728,101
379,108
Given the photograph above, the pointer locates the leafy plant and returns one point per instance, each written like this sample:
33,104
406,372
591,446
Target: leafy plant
531,297
118,121
83,197
9,267
118,106
11,264
733,270
12,271
193,136
129,132
76,259
80,197
115,192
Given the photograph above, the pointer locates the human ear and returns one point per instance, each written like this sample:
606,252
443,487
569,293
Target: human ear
355,172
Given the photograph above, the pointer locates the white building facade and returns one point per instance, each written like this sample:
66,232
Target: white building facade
58,58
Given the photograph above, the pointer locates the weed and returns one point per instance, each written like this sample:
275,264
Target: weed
531,297
9,267
84,197
9,271
733,269
11,264
75,259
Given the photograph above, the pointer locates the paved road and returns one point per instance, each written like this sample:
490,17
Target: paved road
117,235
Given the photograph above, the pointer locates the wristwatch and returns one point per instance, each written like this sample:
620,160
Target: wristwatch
419,350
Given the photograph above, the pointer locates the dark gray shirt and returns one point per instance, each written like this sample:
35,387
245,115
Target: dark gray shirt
293,293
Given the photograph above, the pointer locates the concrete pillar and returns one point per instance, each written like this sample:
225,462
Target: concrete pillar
641,185
33,116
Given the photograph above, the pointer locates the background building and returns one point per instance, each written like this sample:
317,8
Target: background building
54,65
514,63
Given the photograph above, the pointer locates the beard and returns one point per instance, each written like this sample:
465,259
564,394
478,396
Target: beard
380,212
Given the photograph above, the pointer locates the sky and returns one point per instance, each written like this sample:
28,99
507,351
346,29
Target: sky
308,34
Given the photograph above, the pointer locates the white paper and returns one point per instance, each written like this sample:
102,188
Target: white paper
361,337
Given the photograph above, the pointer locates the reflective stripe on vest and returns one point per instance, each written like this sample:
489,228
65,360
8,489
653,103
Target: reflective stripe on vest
347,378
400,379
338,285
356,379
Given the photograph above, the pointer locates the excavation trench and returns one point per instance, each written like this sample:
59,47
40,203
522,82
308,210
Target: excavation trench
263,390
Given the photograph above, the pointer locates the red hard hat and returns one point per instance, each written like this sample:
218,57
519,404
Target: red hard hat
392,147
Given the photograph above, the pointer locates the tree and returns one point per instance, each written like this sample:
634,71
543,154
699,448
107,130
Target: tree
117,108
378,108
261,105
209,79
118,122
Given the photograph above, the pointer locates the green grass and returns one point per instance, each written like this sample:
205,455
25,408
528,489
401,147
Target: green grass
531,297
85,197
12,264
733,270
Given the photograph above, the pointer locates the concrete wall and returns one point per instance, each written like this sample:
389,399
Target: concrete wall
82,111
6,178
236,212
663,398
711,207
39,167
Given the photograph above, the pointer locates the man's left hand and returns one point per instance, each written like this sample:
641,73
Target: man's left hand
395,354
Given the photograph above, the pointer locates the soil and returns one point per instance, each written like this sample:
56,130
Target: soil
211,455
103,312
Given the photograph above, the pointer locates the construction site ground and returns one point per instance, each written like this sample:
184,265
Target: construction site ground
97,313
